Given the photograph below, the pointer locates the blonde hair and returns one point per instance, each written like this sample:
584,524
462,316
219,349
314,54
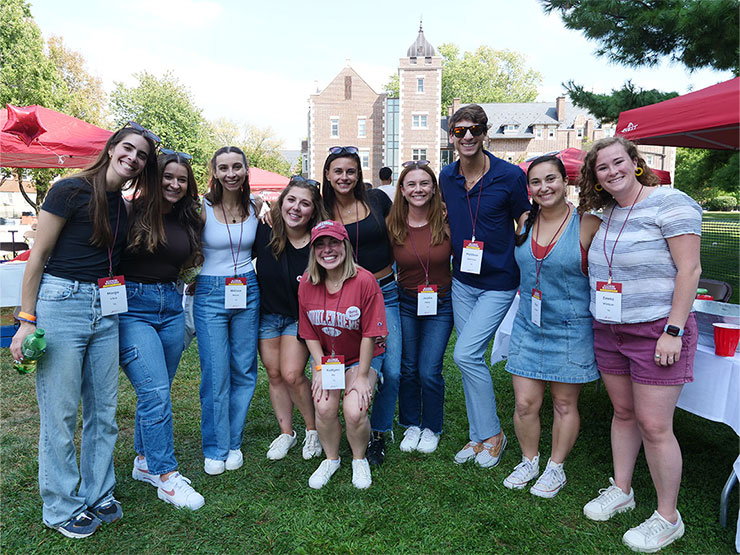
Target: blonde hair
317,274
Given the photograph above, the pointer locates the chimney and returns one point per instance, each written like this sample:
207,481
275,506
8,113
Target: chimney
560,107
455,104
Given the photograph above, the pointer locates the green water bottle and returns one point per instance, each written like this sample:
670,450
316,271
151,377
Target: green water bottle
34,346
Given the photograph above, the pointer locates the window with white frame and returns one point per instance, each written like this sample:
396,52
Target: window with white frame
579,132
334,130
361,127
650,159
551,133
419,154
419,121
365,159
420,84
510,128
538,132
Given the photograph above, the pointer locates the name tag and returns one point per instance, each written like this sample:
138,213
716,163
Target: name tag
426,303
112,295
332,372
236,292
536,307
472,257
608,301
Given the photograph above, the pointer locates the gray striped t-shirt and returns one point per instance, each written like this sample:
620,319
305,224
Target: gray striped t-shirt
642,261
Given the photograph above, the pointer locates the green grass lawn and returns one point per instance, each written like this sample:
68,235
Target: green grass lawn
720,249
417,503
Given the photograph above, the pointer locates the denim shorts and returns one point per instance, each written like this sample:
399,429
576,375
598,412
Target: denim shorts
274,325
629,349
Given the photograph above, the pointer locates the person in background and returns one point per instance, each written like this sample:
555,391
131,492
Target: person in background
226,310
164,237
341,313
643,271
363,214
81,234
484,196
281,254
386,182
421,247
552,339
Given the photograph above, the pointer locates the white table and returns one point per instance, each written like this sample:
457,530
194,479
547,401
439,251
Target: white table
11,279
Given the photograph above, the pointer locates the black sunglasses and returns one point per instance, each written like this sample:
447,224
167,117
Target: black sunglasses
416,164
144,130
301,179
344,149
183,155
476,130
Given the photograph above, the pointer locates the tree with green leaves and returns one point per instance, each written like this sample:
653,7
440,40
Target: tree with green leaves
485,75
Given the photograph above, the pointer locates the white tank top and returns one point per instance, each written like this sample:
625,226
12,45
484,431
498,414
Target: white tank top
219,252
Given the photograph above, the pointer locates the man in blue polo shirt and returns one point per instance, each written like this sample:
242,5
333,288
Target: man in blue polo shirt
484,196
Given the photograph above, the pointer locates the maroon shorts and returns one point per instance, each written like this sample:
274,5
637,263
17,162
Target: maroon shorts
629,349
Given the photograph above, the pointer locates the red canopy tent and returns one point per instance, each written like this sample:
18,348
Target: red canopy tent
573,160
61,141
266,184
708,118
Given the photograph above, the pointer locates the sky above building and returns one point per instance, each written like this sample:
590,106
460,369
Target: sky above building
257,62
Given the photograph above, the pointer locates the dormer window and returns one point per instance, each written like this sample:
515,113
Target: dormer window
511,128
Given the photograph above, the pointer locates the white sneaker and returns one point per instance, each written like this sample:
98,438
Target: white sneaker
428,441
490,455
178,491
551,481
311,445
321,475
361,478
653,534
523,472
141,473
470,451
235,459
280,446
410,439
213,467
610,501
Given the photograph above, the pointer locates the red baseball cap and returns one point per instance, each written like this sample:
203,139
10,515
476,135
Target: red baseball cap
329,228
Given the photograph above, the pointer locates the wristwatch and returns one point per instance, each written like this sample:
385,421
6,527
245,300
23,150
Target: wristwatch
675,331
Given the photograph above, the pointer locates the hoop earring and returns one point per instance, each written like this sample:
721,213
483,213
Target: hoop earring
638,171
598,188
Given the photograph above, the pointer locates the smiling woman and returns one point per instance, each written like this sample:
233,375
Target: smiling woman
80,237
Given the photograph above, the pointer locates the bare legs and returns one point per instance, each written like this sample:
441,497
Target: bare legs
285,359
529,394
643,414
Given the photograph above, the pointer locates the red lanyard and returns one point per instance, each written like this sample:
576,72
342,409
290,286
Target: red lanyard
234,258
539,261
115,236
336,311
355,254
606,232
429,254
470,208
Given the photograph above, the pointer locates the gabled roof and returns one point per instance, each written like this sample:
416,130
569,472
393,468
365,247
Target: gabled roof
527,114
346,70
420,48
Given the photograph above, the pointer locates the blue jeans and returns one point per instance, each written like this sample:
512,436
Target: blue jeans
150,339
384,404
478,313
421,395
81,362
227,345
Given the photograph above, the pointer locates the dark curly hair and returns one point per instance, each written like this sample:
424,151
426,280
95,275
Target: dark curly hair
549,158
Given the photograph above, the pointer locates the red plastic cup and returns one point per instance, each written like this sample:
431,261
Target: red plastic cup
726,338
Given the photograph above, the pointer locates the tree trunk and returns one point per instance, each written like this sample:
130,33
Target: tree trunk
25,195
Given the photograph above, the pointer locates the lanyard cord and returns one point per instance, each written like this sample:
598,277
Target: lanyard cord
336,311
539,261
429,254
470,209
606,232
235,259
115,236
356,254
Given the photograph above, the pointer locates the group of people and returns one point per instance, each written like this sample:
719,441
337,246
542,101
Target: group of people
358,283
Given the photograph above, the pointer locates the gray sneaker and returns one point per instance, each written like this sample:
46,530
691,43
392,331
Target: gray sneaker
108,511
490,455
81,526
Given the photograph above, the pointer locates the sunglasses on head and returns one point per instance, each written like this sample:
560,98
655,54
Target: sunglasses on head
475,130
183,155
144,130
344,150
301,179
416,164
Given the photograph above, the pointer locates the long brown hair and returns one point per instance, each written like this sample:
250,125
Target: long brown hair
94,175
397,220
279,237
591,199
215,192
146,214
